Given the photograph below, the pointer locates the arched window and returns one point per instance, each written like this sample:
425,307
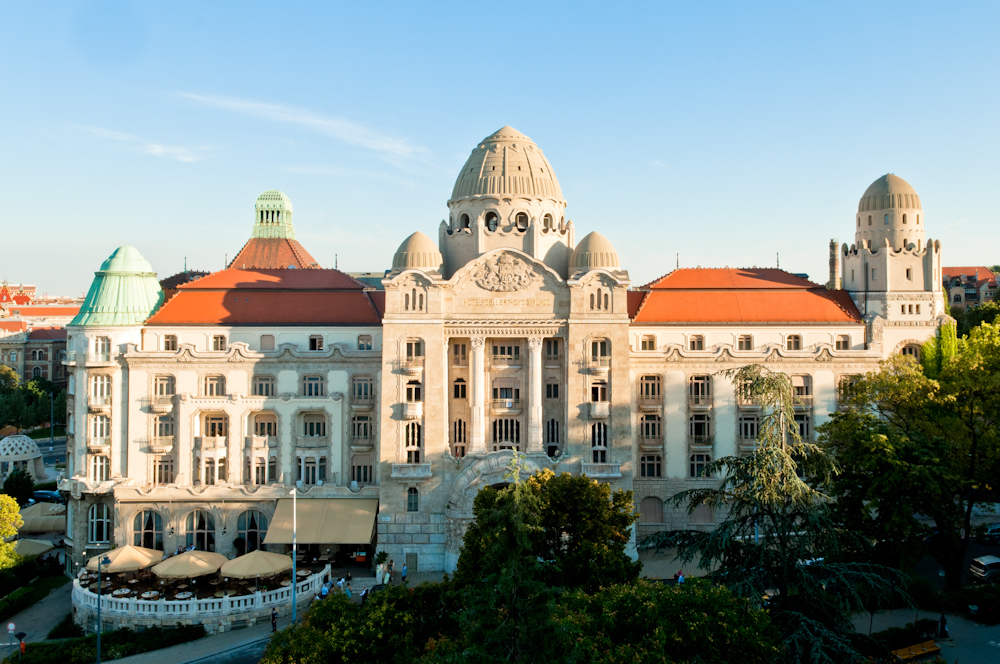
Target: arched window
491,221
547,222
918,220
99,524
869,220
958,298
650,389
793,342
459,388
458,439
36,372
464,221
859,221
100,390
911,350
100,428
651,510
163,426
200,529
599,442
252,527
147,529
412,500
904,218
552,437
697,342
886,222
506,434
522,221
414,442
650,465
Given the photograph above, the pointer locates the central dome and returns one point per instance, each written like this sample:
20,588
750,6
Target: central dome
888,192
272,199
507,163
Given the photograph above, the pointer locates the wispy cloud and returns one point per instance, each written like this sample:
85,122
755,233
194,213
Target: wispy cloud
175,152
341,129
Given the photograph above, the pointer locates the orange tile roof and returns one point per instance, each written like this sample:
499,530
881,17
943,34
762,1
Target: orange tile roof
42,311
749,296
984,272
13,325
634,302
273,253
270,297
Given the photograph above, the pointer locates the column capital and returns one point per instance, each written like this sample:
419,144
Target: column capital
535,343
478,342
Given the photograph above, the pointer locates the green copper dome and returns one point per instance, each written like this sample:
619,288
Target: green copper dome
124,292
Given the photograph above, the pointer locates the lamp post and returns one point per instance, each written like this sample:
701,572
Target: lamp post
103,560
295,576
52,420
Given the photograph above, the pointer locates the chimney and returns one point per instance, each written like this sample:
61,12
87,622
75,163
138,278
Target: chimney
834,283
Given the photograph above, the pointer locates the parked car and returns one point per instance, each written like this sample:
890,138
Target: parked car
990,534
48,497
985,568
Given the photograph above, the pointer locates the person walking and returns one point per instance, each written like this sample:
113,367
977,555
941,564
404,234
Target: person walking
404,573
274,620
347,591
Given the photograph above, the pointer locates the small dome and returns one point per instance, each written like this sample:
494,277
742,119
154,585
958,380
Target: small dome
126,260
888,192
507,162
18,448
593,253
417,251
272,199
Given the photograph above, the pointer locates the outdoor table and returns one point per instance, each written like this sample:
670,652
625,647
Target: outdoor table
133,581
286,583
214,582
244,582
183,595
152,594
182,586
304,572
121,591
222,593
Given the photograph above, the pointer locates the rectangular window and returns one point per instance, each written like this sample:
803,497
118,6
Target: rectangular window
748,427
510,352
263,386
699,464
265,424
316,342
552,390
650,466
362,389
313,386
793,342
414,350
700,390
802,421
267,342
649,389
413,392
314,425
163,386
216,426
843,342
648,342
309,468
170,342
361,469
364,342
459,389
552,350
164,426
909,274
458,355
599,391
744,342
874,274
214,386
219,342
697,342
163,471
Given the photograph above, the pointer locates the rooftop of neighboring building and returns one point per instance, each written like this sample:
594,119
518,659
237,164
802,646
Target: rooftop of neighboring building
47,334
740,295
968,272
269,253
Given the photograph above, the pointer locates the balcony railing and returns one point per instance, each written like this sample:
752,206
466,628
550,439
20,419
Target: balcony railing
412,366
599,410
803,401
260,442
505,361
362,443
599,363
161,444
510,406
601,471
362,404
700,401
411,471
98,403
98,444
100,357
701,440
312,441
162,403
413,410
210,442
650,403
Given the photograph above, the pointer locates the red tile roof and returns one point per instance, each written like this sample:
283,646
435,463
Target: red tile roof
634,302
951,272
271,297
273,253
750,296
13,325
47,334
42,311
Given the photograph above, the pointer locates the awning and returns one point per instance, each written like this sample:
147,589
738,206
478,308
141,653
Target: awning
324,521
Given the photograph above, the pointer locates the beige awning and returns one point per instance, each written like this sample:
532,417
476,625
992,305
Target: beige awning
256,563
188,564
32,547
324,521
127,558
43,524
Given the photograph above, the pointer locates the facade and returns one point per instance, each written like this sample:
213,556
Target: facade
35,352
386,410
969,286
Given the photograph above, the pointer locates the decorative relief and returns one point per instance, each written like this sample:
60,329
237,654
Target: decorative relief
535,342
478,342
505,273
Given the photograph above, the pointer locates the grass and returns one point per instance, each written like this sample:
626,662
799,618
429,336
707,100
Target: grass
44,433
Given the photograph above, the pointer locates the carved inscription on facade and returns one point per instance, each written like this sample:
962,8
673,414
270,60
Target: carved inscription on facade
507,302
505,273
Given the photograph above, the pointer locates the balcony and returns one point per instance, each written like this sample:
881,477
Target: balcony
413,410
411,471
699,401
362,443
651,404
412,366
803,401
747,404
68,359
99,404
98,445
601,471
599,410
505,361
362,404
160,404
260,442
312,442
700,443
599,364
505,406
650,443
161,445
99,359
460,361
746,445
210,442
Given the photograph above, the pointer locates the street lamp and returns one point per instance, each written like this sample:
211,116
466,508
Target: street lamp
103,560
295,576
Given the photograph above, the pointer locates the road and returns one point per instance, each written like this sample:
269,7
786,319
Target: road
52,454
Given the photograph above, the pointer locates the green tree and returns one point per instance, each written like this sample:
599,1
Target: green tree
9,380
15,410
776,536
19,485
10,522
986,312
939,349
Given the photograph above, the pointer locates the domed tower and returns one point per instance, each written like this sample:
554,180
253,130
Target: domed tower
889,212
273,215
417,252
506,196
272,245
892,271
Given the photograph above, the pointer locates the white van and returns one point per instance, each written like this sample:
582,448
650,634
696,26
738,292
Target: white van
985,568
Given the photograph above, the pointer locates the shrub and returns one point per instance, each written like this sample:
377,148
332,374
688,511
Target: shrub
66,629
24,597
895,638
117,644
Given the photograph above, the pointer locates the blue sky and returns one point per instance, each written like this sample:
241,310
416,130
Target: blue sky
725,133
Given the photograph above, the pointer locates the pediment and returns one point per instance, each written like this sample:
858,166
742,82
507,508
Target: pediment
505,271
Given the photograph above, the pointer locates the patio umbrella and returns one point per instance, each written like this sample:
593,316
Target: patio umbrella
256,563
189,564
43,509
43,518
127,558
32,547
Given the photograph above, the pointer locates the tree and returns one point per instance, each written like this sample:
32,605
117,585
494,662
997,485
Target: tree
776,535
10,522
19,485
986,312
8,380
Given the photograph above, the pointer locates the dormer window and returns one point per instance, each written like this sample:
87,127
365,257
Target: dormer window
843,342
316,342
648,342
744,342
697,342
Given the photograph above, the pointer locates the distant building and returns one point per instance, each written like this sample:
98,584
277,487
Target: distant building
969,286
34,353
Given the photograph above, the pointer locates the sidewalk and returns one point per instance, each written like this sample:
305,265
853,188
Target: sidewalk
210,646
38,619
970,642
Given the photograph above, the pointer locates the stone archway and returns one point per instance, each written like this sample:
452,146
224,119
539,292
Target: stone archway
485,471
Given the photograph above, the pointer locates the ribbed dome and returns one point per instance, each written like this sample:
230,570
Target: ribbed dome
18,448
124,291
507,163
418,251
272,199
888,192
594,252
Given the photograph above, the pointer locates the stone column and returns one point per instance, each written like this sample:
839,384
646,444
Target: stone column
535,396
477,380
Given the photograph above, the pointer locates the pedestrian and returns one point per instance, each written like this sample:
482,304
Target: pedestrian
349,577
680,578
340,584
347,591
943,627
404,573
364,596
274,620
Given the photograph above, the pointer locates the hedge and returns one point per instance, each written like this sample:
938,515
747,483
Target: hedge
114,645
22,598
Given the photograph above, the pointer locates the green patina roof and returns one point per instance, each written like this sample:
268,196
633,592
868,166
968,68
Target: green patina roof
124,292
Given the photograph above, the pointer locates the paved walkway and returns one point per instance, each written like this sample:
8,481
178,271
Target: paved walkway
970,642
38,619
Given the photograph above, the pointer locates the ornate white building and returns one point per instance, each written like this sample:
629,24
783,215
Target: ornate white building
192,420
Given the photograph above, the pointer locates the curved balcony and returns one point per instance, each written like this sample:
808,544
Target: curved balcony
600,410
701,442
412,366
505,361
505,406
98,445
413,410
216,614
160,404
362,405
599,365
210,442
803,401
650,444
99,404
362,443
161,445
312,442
700,401
260,442
411,471
650,404
601,471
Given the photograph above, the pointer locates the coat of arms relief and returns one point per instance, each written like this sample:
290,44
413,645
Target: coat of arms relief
505,273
